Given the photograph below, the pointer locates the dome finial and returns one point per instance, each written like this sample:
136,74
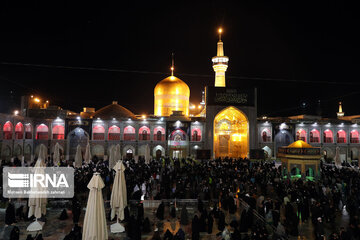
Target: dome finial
172,64
220,31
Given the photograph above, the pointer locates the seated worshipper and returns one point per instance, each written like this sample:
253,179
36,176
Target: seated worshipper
10,214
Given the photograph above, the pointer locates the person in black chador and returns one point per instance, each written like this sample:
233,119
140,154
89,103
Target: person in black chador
168,235
126,214
202,221
236,233
184,219
140,210
76,210
160,211
221,224
63,215
10,214
146,225
173,212
210,222
195,228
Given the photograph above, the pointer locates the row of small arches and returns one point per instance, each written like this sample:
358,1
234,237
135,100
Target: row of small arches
314,136
98,132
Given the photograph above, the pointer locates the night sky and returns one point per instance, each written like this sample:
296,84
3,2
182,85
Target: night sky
293,54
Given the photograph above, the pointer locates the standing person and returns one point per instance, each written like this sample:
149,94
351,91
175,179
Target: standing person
210,222
319,229
195,228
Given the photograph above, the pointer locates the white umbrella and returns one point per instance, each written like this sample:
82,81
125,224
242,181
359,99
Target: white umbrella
117,153
78,157
112,160
42,152
94,227
147,154
37,202
87,157
56,158
118,200
337,157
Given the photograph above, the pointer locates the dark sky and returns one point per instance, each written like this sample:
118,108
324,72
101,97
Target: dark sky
313,47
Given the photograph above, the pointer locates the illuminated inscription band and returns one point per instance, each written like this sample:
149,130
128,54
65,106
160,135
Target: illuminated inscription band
230,96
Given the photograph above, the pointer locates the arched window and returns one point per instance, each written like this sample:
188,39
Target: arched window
98,132
266,135
28,131
159,134
314,136
129,133
196,134
301,135
58,132
178,135
328,136
341,136
144,133
7,130
19,131
42,132
114,133
354,136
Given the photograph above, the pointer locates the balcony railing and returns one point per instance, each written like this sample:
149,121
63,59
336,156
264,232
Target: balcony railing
314,139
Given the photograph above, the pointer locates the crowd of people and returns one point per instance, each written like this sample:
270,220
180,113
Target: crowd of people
260,201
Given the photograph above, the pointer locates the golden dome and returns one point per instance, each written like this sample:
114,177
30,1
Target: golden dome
299,144
171,94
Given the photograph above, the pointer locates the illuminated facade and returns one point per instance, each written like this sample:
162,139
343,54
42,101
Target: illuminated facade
171,94
231,134
227,126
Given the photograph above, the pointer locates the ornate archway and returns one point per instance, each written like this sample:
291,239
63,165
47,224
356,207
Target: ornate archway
231,133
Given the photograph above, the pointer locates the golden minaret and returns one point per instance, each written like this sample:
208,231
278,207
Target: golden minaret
340,113
220,63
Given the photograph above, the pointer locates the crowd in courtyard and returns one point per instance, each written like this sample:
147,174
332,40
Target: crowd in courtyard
219,186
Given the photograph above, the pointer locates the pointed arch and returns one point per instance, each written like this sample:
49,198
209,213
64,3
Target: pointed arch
301,135
7,130
314,136
231,133
114,133
19,131
354,136
328,136
341,136
98,132
129,133
58,132
159,134
42,132
28,131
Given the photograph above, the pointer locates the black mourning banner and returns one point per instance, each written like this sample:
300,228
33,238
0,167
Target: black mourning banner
230,96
